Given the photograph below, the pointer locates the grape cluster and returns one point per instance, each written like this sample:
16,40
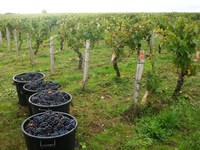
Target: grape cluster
30,76
50,124
41,85
50,98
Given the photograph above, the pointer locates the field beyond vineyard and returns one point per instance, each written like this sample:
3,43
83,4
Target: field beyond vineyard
104,108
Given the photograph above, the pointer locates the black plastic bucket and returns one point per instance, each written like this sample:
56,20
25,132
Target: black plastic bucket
65,141
38,108
20,83
33,87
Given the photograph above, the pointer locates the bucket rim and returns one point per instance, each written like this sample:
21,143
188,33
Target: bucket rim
17,81
49,106
24,86
46,138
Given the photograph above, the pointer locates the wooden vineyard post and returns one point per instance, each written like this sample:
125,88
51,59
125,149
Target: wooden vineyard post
86,60
138,77
197,55
16,42
52,68
1,40
8,39
30,50
196,58
144,99
151,43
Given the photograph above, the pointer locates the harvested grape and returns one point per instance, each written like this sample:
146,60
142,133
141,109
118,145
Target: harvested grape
50,124
29,76
41,85
50,98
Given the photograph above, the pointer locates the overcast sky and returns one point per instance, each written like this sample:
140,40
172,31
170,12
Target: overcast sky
90,6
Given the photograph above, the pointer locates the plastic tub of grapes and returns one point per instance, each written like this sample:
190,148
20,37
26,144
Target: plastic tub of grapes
33,87
21,79
50,100
50,130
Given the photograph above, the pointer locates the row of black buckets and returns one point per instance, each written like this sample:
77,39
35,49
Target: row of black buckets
62,139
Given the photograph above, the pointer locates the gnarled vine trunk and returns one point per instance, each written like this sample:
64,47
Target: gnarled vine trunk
179,85
61,44
80,57
159,49
138,48
115,66
37,46
20,40
38,42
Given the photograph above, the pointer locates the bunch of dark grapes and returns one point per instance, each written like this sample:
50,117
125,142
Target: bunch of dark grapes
50,98
42,85
31,76
50,124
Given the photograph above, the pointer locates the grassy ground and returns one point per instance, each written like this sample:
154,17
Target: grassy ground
102,109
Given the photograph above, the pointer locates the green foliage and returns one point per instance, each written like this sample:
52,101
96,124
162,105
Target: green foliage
116,36
139,30
152,81
161,127
192,142
153,129
190,124
182,38
138,142
92,30
74,34
164,128
41,29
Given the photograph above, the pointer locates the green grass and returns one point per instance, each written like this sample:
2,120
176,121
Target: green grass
102,109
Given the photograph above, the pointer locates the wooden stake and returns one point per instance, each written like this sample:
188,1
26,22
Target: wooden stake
197,55
151,42
52,56
8,39
138,77
196,58
86,60
30,49
144,99
113,57
16,42
1,40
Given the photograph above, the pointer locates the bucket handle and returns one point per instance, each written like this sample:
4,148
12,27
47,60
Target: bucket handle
43,109
15,83
49,145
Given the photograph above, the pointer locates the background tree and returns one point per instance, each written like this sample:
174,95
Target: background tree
44,11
